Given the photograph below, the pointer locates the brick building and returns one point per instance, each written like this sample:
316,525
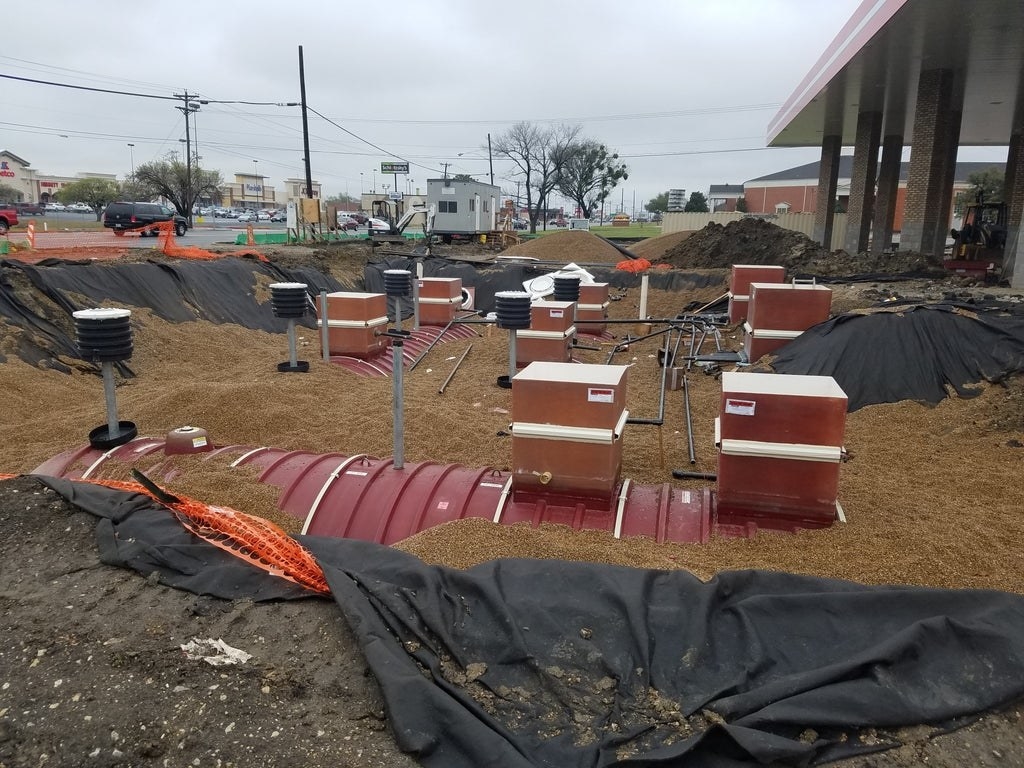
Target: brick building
795,190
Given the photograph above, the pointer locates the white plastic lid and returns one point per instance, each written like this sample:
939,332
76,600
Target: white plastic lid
102,313
512,295
286,286
397,272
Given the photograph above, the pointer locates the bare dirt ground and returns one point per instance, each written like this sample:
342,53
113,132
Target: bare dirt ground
92,672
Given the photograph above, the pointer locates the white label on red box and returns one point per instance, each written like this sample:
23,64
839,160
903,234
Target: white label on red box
740,407
442,505
556,313
595,395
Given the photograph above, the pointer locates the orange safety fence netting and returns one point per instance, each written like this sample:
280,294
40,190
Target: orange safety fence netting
253,539
170,247
634,265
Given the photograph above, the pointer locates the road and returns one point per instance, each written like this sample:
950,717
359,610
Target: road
56,230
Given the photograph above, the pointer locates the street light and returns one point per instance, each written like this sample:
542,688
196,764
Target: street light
259,181
131,153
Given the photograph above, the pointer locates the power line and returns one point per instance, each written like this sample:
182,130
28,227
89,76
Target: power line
370,143
148,95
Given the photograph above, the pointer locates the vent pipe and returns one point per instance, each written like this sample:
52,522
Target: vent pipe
289,302
397,283
512,309
104,336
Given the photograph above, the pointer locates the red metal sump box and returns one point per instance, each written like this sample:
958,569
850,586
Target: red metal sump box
550,335
780,441
739,286
592,309
567,429
778,313
355,322
440,299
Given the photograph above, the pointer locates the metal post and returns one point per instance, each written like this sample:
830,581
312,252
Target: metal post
416,298
398,313
292,356
399,426
325,330
113,425
645,282
511,355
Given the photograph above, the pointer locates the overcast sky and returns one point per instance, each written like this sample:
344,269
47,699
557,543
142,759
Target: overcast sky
683,90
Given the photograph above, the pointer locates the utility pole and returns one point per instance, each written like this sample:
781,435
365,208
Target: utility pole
187,110
446,169
490,158
305,124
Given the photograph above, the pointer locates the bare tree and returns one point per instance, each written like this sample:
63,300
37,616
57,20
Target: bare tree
538,155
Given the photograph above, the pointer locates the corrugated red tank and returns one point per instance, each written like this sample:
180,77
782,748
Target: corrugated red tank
363,497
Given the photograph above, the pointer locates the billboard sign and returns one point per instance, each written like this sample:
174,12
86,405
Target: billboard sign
394,167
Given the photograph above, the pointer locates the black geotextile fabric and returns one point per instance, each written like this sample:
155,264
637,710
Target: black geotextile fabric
911,351
221,291
546,663
490,279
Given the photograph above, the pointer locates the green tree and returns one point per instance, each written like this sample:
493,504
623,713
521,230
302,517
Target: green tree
697,203
340,198
462,177
9,194
95,193
169,178
741,205
589,174
658,203
987,186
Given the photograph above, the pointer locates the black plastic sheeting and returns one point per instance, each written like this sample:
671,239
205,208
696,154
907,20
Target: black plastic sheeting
489,280
911,351
530,663
221,291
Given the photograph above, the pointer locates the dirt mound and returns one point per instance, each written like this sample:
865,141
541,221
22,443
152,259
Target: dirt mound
756,241
655,248
576,245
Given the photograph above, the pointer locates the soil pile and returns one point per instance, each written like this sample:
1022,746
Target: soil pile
575,245
655,248
756,241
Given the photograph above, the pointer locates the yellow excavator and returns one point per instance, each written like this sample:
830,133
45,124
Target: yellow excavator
979,243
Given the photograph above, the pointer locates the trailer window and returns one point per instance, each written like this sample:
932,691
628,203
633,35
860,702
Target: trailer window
472,204
448,206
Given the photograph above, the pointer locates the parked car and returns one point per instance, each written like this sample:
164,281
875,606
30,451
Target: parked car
246,216
347,222
262,216
520,224
279,216
55,207
123,216
79,208
558,223
30,209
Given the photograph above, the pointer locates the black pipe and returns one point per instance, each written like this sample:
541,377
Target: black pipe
624,251
682,474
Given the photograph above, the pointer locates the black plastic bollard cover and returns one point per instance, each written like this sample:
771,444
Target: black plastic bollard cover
103,335
567,288
289,300
397,282
512,309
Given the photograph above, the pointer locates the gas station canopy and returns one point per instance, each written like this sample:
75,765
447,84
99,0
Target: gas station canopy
874,63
